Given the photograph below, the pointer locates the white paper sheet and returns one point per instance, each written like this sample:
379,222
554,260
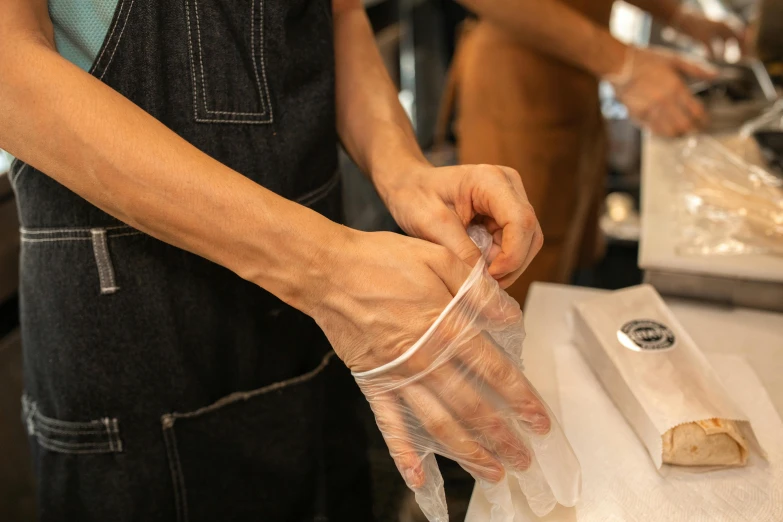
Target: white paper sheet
657,376
620,482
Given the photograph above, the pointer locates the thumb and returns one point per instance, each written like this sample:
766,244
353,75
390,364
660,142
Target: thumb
693,68
452,235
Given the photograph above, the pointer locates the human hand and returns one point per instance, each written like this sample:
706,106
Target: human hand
651,86
438,204
443,375
711,33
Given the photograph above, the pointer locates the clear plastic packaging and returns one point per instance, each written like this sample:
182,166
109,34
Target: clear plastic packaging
730,204
460,392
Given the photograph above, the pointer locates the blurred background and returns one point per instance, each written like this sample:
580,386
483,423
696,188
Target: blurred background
417,40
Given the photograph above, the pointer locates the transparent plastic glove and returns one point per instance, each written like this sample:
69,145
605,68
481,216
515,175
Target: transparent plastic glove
651,86
460,392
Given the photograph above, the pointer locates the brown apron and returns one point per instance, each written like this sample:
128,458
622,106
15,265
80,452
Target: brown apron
540,116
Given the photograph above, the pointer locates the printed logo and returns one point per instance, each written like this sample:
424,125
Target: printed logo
643,335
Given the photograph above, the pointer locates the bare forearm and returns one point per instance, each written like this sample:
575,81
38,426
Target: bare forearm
106,149
553,28
371,123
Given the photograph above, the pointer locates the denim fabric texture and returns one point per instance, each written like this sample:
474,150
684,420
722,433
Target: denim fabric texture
161,386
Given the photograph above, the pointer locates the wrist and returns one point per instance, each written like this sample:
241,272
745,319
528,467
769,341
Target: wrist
393,174
608,55
293,254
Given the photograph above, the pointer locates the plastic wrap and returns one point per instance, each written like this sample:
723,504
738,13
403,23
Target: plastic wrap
730,204
460,392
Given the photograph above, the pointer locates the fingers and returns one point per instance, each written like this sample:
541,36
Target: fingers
677,114
695,109
446,228
693,69
391,422
431,497
474,411
449,268
499,195
445,435
492,366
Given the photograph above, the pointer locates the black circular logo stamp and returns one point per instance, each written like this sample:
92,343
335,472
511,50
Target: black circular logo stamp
644,334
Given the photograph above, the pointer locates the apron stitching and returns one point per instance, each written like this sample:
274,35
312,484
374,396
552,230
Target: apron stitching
116,432
263,93
192,65
122,3
126,234
105,421
103,447
174,466
105,269
51,239
237,396
75,432
122,31
319,193
239,122
59,447
15,173
24,230
201,62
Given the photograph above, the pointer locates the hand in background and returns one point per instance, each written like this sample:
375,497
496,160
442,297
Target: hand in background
652,86
711,33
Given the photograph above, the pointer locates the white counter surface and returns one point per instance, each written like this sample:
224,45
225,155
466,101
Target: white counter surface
757,336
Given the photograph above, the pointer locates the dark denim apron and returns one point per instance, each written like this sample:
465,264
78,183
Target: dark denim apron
161,386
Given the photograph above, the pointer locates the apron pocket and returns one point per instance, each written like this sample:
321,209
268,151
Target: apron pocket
251,455
229,80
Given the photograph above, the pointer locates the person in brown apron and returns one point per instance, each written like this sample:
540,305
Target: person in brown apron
525,81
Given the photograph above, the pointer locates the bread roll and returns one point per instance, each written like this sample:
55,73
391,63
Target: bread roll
711,442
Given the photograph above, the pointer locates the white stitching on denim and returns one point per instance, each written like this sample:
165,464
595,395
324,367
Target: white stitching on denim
116,430
238,396
316,195
262,43
126,234
177,479
266,103
192,65
41,425
105,421
124,24
105,269
240,122
252,54
108,40
185,515
54,445
86,230
53,239
14,174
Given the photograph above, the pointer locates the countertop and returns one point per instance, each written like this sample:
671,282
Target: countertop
659,227
755,335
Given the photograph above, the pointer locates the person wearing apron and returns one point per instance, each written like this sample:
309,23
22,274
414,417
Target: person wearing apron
184,272
525,84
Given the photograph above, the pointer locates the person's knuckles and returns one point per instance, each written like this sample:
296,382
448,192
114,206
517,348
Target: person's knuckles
507,446
481,462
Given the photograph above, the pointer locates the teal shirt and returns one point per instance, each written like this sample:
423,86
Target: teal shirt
80,26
